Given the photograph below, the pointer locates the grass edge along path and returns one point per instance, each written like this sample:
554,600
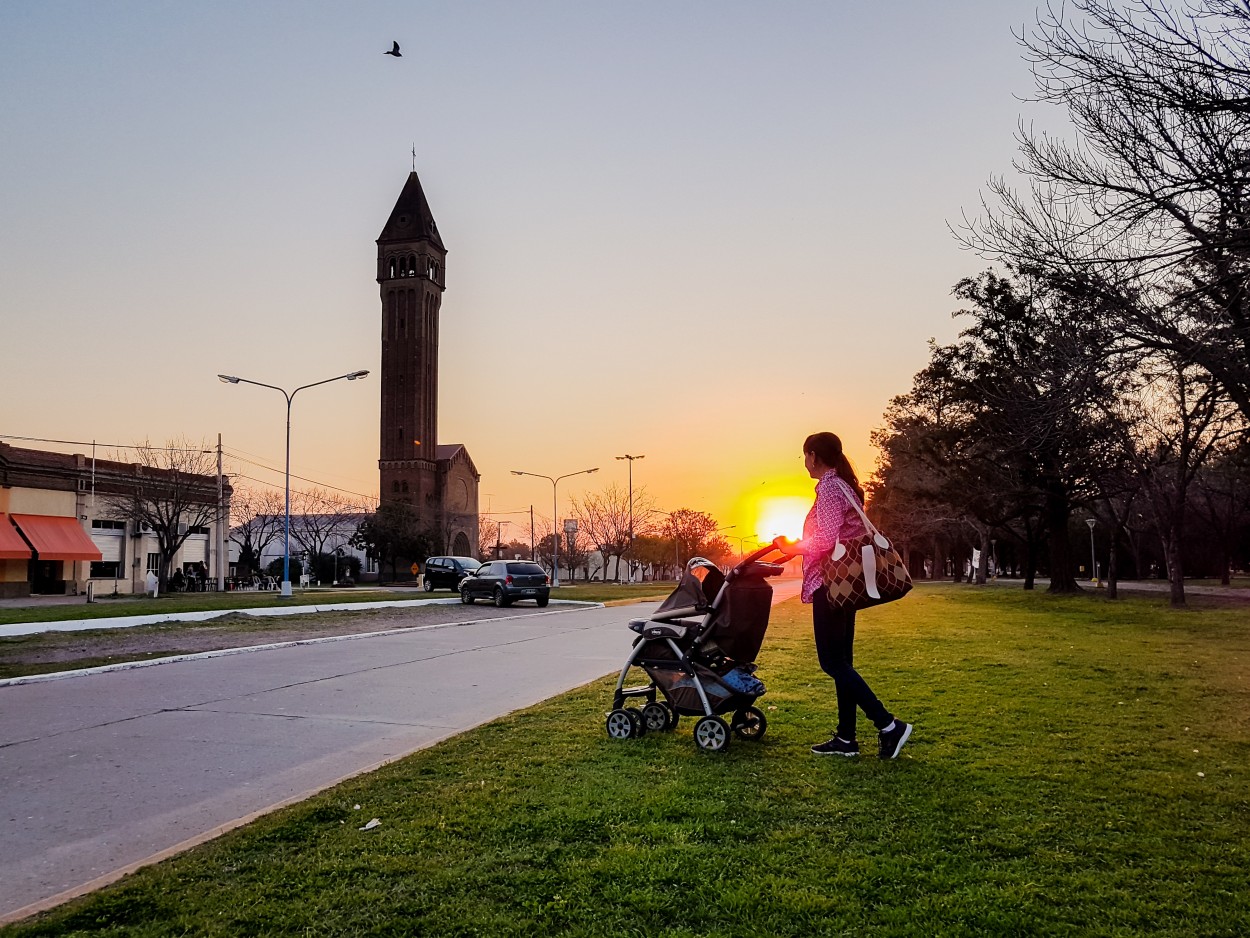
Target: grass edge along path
1079,767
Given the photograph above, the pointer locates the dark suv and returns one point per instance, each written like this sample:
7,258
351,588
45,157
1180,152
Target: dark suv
507,580
447,572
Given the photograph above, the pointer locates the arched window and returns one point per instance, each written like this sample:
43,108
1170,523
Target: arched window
395,486
391,267
405,485
412,265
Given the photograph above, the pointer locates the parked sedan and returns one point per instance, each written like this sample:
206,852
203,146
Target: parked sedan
505,581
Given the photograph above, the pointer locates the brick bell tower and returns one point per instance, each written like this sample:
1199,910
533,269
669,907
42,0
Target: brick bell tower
411,274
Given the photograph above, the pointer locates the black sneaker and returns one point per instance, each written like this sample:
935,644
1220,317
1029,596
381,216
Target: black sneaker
837,747
892,740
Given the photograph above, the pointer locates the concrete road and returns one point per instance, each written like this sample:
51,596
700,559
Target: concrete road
104,772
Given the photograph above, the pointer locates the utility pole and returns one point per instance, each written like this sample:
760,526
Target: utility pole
221,529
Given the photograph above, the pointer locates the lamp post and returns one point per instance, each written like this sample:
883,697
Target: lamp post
631,511
555,514
1093,562
286,528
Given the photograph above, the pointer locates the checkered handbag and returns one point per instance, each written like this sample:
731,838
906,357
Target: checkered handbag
865,571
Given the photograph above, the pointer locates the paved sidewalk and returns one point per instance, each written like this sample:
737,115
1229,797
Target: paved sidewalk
105,772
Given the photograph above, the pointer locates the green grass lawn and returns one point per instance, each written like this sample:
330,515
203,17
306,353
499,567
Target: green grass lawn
1079,767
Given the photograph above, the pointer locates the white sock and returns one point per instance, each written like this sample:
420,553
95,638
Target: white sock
886,729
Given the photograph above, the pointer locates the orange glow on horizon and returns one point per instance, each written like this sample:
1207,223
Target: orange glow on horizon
782,516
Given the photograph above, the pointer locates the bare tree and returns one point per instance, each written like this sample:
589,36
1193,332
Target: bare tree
256,521
319,516
603,518
1149,208
172,491
1181,420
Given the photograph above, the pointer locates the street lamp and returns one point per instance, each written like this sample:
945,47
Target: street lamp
555,514
631,512
1093,563
286,530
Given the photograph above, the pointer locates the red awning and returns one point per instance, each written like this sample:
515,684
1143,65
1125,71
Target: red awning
57,538
12,547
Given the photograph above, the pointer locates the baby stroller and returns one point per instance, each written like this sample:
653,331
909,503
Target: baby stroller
699,650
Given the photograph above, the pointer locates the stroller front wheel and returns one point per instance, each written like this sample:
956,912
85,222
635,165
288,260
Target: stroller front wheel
750,723
658,717
711,734
624,724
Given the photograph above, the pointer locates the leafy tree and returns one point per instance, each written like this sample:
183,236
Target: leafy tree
391,534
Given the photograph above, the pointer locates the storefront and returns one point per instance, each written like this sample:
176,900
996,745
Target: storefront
54,542
15,557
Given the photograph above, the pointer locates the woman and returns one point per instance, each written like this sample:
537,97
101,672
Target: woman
833,518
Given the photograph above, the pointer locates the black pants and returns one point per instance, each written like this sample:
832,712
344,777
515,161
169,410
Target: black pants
835,638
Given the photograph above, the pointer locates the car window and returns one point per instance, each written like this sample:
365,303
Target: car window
526,568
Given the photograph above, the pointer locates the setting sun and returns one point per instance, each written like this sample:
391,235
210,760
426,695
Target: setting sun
782,516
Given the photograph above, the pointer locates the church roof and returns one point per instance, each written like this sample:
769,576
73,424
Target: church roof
446,452
411,218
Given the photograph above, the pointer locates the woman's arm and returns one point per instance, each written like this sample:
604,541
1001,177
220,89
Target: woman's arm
830,517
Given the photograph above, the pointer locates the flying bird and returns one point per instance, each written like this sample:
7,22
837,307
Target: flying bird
395,51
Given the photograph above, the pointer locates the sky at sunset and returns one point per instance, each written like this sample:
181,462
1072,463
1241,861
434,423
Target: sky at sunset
694,231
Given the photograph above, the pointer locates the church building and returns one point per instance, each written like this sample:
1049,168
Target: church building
439,481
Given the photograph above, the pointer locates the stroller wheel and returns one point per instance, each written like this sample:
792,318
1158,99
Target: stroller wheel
750,723
622,725
711,734
657,717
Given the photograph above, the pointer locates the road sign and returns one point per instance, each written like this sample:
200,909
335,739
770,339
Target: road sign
570,525
416,568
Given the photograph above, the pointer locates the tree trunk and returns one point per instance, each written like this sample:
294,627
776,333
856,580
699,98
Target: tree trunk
1062,568
1172,555
1113,575
983,563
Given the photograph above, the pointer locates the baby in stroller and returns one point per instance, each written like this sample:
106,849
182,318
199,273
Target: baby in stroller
698,648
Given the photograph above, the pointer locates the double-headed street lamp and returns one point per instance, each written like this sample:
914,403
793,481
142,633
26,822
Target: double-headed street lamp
631,511
555,514
286,530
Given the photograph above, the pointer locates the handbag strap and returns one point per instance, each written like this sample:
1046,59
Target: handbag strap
854,500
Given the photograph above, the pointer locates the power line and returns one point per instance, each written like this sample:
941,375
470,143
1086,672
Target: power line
97,443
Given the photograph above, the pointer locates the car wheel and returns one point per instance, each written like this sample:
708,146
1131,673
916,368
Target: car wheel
466,598
429,585
501,601
542,601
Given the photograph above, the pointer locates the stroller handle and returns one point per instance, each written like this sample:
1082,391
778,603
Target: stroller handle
755,558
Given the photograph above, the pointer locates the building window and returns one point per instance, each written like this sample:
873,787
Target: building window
154,563
107,524
106,569
198,529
